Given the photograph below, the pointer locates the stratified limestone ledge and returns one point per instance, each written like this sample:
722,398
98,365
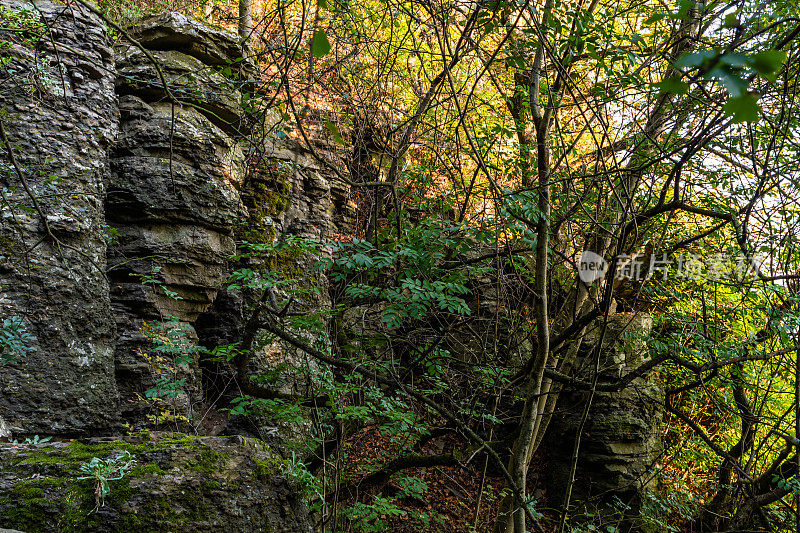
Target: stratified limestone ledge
178,483
622,436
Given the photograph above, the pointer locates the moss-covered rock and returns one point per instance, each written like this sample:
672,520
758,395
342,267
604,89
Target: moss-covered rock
177,483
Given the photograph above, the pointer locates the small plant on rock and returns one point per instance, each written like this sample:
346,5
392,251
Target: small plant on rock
101,471
15,341
32,441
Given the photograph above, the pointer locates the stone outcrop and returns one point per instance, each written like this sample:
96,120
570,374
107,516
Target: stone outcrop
621,439
173,198
141,193
60,113
167,483
181,192
142,190
175,31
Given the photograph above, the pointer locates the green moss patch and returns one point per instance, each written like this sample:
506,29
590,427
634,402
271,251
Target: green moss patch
209,462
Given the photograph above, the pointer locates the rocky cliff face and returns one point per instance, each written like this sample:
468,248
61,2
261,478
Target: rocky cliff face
621,438
59,110
121,204
174,196
141,191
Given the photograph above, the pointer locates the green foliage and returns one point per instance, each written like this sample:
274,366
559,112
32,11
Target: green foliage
320,45
279,254
410,487
123,12
275,409
734,70
173,351
33,441
659,510
225,353
24,22
15,341
101,471
154,278
790,485
111,235
371,517
422,284
307,482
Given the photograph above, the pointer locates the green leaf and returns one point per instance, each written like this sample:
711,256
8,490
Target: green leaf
694,59
743,108
655,17
673,85
769,62
734,59
731,21
337,136
684,8
320,45
733,82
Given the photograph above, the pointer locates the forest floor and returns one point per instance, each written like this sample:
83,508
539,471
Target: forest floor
455,499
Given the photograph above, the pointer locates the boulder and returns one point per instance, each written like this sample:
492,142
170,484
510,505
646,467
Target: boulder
167,482
176,31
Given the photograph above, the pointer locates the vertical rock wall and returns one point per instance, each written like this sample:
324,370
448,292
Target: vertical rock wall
182,191
58,106
160,176
167,199
173,200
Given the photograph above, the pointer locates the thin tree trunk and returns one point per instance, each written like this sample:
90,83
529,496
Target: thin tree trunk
245,19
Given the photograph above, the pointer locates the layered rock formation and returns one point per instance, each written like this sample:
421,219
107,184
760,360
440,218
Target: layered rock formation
121,205
181,192
145,226
170,483
621,439
173,197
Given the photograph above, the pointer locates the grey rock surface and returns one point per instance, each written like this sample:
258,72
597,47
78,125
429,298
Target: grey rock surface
174,200
191,82
140,200
175,31
172,482
622,437
60,113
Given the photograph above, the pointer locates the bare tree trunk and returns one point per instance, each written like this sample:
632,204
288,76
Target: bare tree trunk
245,19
